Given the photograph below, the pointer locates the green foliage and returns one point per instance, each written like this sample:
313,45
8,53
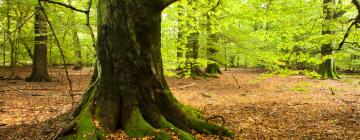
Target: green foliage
64,20
274,35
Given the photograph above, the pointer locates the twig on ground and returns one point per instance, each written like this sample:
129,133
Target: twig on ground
332,91
187,86
206,95
3,124
237,82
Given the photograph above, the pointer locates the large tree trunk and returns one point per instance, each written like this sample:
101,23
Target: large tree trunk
130,92
39,70
327,67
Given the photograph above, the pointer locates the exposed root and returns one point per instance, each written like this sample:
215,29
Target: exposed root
136,126
38,78
208,128
151,115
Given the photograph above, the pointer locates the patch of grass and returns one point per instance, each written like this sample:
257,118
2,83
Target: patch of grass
312,74
351,79
262,77
286,72
302,87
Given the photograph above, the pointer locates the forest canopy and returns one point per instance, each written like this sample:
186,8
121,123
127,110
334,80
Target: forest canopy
268,34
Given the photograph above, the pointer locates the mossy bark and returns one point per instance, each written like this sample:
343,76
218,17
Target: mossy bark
77,47
212,67
39,71
192,54
191,44
130,92
327,68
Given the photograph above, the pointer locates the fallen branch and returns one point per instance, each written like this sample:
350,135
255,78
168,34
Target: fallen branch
237,82
187,86
206,95
332,91
3,124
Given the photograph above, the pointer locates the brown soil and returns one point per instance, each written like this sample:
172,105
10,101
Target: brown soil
254,105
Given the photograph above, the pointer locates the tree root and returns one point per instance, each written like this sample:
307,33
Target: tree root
38,79
213,68
154,115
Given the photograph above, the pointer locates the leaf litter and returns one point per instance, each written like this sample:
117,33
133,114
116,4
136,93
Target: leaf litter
292,107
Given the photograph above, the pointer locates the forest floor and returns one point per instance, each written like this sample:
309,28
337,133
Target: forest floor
254,104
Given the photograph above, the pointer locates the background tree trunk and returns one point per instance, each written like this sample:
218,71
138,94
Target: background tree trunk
181,39
192,46
8,34
130,92
212,67
76,40
327,67
192,54
39,71
77,47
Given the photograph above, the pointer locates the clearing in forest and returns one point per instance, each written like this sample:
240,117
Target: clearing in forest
253,104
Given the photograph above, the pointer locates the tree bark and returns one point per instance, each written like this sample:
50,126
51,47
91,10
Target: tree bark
130,92
76,40
192,46
327,67
212,67
77,47
181,40
10,40
192,54
39,71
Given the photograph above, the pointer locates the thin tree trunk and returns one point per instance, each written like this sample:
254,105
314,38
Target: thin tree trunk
76,41
11,42
180,41
3,51
77,47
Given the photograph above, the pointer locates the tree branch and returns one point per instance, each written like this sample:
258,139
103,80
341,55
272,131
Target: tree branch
357,5
65,5
354,23
60,49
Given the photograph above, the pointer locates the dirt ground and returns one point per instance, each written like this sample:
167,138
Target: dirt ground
255,105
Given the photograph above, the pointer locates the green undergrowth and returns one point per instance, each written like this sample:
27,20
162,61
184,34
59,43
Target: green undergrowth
302,87
289,72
